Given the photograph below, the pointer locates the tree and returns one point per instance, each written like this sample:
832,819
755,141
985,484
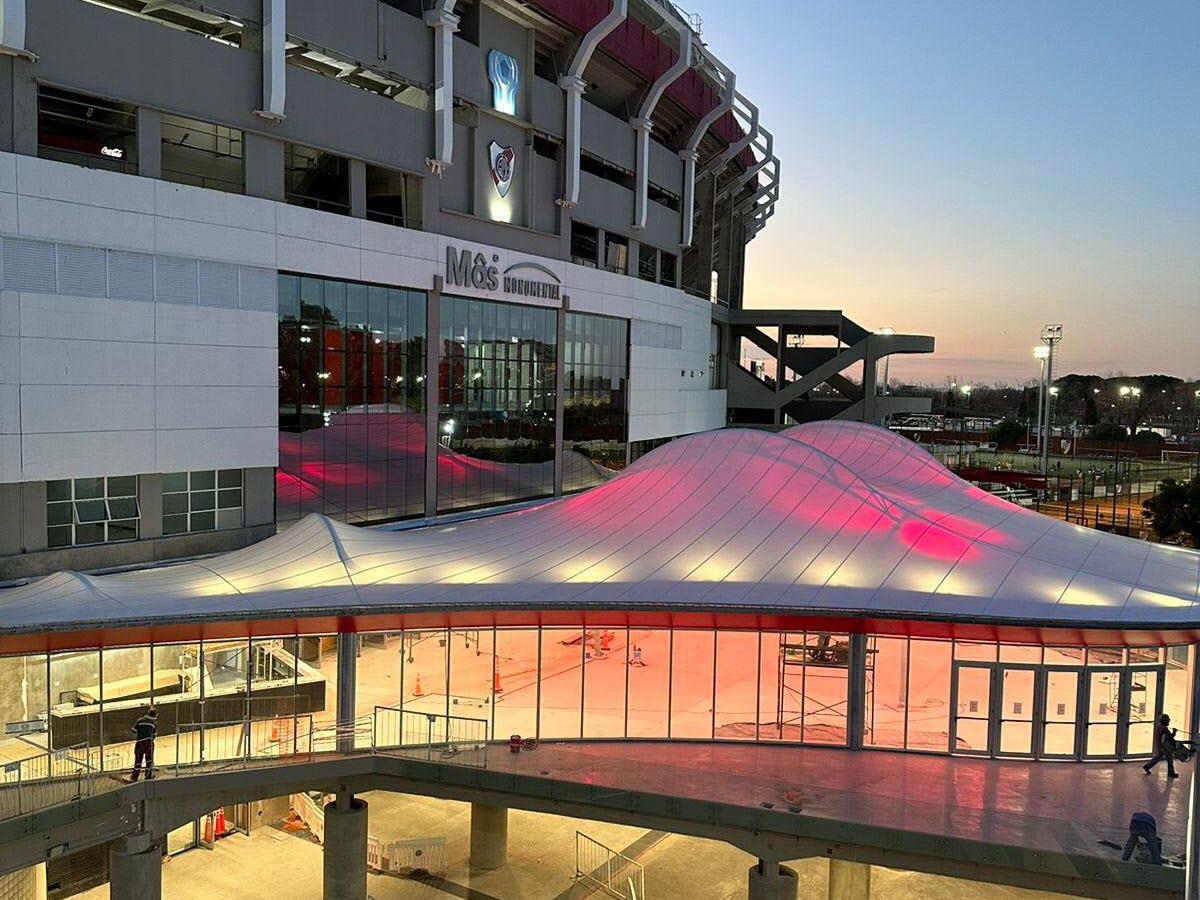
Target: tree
1174,512
1006,435
1148,437
1107,431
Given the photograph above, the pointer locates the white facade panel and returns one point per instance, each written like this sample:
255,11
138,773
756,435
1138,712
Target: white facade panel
52,361
86,454
186,407
84,224
187,364
55,409
209,326
211,448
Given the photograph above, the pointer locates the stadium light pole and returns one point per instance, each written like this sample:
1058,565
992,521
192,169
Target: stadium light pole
1040,353
1051,335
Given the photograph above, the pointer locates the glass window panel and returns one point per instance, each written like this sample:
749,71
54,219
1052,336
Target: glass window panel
59,536
124,486
173,504
59,513
89,488
75,699
174,482
887,696
228,478
124,530
90,511
203,481
229,518
203,500
561,683
126,694
972,650
737,685
289,296
123,508
425,671
928,695
1020,653
58,490
230,498
517,666
23,705
604,683
691,684
174,524
203,521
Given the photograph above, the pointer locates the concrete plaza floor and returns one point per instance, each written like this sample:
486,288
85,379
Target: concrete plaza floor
541,864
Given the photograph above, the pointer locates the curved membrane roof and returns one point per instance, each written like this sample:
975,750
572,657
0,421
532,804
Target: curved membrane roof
831,520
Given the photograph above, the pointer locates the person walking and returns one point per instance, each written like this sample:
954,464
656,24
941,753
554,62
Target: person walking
145,730
1164,746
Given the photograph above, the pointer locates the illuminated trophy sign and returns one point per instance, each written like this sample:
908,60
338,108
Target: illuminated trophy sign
502,72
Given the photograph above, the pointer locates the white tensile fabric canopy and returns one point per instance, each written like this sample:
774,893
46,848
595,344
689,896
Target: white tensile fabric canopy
830,518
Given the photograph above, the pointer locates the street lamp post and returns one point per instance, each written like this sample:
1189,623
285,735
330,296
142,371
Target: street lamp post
1041,353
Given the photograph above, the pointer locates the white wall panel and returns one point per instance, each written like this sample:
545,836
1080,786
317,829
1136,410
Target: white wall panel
54,409
187,407
11,470
86,454
83,224
80,185
184,364
224,448
54,361
212,241
208,326
85,318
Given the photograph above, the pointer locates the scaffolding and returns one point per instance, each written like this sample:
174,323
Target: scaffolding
817,650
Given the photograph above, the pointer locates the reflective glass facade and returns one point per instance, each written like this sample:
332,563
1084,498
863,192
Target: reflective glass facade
351,400
568,683
596,398
353,395
496,399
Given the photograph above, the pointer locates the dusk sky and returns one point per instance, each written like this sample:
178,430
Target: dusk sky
972,170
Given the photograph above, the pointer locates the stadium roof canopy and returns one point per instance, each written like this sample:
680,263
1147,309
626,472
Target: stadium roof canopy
826,526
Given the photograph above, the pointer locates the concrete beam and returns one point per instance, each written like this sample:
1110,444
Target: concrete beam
274,61
444,23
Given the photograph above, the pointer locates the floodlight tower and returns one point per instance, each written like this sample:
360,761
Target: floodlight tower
1051,335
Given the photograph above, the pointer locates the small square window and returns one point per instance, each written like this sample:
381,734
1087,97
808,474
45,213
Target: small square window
124,486
204,481
59,514
229,478
123,508
58,490
174,504
230,498
175,524
175,482
204,521
203,500
89,533
125,530
89,488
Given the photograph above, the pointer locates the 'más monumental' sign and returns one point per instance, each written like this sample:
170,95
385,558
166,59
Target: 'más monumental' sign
474,270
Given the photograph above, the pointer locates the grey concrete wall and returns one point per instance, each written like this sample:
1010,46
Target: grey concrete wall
608,136
549,107
604,203
100,556
149,142
150,504
10,519
258,497
263,167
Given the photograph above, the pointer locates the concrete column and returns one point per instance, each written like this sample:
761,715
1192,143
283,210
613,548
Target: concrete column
149,143
856,686
489,836
264,166
24,884
358,189
849,880
135,869
346,849
150,502
771,881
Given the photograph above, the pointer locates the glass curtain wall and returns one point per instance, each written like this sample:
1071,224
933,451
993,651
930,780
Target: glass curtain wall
595,403
496,399
351,401
594,683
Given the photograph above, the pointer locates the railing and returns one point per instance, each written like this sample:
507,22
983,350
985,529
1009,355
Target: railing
607,870
430,736
54,777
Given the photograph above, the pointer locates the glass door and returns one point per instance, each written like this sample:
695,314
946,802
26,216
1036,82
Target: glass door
971,700
1060,714
1015,711
1103,713
1145,706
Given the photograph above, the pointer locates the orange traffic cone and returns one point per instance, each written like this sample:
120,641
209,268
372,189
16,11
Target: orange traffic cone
496,680
417,686
275,729
605,639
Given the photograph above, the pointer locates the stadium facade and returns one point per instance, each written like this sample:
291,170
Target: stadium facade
374,260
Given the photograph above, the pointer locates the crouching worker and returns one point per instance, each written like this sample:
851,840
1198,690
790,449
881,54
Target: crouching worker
1143,829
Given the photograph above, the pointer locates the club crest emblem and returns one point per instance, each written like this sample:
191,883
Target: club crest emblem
502,166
